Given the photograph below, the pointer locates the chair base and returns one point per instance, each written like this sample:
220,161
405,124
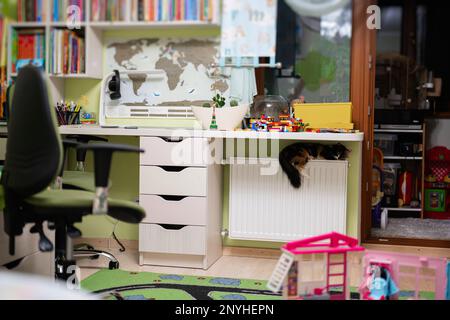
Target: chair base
94,254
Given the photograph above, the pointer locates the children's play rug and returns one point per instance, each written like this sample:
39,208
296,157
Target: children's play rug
125,285
119,284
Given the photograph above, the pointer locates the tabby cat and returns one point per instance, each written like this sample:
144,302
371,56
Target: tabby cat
294,158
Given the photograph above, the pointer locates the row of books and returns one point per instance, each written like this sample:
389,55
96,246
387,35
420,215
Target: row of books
174,10
28,45
67,52
108,10
30,10
155,10
68,9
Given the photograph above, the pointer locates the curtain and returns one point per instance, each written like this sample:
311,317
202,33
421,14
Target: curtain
316,8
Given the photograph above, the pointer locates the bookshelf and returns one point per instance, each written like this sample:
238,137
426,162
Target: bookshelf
92,28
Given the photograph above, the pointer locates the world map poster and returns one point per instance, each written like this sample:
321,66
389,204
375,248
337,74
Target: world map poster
186,76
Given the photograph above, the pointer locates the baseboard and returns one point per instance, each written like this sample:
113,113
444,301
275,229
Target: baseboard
104,243
420,251
252,252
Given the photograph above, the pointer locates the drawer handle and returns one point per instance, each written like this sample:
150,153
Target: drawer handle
172,226
172,198
173,169
172,139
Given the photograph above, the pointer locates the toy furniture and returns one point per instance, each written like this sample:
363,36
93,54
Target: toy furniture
315,268
437,184
421,276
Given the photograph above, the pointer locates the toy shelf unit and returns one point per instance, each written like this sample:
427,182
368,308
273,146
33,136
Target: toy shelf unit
437,184
399,153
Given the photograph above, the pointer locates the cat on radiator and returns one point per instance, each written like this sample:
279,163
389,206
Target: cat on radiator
294,158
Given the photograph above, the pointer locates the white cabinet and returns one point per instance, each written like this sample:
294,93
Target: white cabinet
181,191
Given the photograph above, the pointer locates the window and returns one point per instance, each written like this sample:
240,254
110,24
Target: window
315,53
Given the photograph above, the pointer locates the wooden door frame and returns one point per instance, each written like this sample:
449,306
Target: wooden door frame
362,93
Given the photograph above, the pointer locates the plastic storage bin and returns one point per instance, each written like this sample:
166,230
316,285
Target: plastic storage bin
386,142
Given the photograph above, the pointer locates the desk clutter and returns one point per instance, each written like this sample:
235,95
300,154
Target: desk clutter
68,113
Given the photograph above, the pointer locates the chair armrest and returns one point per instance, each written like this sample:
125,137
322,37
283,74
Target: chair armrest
67,144
81,154
102,166
102,159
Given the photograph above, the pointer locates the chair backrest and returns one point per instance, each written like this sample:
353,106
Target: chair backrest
33,151
9,98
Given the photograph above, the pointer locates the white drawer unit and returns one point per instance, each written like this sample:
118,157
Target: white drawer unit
193,152
185,181
174,209
180,189
172,239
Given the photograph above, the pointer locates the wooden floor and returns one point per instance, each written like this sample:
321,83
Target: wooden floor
240,267
242,263
227,266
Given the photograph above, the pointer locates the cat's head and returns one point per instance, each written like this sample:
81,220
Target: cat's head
340,152
301,159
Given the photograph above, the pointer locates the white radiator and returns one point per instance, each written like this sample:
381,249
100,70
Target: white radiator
268,208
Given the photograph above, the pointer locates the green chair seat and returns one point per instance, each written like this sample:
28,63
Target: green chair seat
79,180
55,202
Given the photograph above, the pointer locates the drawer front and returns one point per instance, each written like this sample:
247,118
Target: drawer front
184,182
186,152
179,240
174,210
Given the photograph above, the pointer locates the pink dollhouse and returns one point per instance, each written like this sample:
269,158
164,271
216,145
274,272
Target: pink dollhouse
315,268
418,277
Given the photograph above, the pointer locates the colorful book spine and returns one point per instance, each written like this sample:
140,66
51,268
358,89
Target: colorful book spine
68,55
154,10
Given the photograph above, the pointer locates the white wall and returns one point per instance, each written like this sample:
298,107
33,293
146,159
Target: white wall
438,133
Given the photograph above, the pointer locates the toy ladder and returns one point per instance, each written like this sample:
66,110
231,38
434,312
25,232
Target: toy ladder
280,272
342,274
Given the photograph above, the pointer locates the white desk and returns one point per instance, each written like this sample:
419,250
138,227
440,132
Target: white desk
191,133
185,232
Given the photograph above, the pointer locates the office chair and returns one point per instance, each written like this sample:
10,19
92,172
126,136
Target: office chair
33,160
79,179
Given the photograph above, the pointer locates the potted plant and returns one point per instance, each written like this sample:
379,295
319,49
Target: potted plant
218,102
218,115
